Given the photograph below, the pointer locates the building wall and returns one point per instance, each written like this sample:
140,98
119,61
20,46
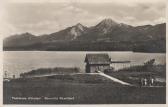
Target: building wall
87,68
94,68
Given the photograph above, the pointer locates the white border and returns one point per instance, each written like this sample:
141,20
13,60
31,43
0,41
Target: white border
83,105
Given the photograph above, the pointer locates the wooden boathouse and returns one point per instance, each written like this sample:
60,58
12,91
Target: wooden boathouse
97,62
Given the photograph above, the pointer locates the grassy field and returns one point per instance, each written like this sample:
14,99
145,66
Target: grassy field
133,77
79,89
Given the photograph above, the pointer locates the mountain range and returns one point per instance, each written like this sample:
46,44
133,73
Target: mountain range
107,35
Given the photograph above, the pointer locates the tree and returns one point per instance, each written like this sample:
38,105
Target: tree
148,66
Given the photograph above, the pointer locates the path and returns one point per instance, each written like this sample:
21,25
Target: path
113,79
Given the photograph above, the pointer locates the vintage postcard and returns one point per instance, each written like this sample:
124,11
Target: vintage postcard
84,52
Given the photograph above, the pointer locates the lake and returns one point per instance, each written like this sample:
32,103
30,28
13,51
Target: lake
16,62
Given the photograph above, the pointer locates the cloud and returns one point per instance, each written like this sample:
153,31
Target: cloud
40,16
160,20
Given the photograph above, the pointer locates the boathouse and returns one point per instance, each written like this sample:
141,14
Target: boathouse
97,62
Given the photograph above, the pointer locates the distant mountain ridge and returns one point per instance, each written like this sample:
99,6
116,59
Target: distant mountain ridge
69,33
106,31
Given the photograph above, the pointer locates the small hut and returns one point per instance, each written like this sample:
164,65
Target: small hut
97,62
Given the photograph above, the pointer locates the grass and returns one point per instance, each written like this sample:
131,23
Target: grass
83,88
133,77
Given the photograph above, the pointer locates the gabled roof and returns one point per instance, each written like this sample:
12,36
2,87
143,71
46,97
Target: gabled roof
97,58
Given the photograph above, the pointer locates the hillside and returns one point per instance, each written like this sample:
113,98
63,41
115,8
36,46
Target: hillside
83,89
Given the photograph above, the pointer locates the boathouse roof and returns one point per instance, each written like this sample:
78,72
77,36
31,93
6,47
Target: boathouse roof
100,58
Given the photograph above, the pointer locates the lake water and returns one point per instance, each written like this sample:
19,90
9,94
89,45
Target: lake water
16,62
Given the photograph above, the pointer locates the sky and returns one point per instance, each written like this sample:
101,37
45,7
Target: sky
47,16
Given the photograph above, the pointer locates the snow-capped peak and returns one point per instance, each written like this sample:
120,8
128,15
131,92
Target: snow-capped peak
77,30
106,25
108,22
80,26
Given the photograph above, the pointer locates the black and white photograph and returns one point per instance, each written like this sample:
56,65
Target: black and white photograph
84,52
